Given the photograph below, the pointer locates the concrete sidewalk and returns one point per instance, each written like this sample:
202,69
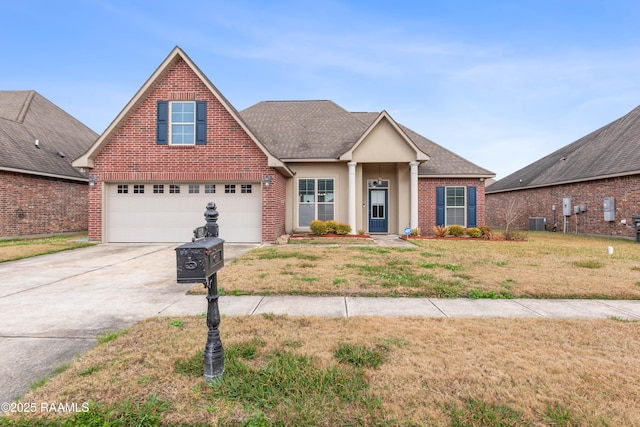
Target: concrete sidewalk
411,307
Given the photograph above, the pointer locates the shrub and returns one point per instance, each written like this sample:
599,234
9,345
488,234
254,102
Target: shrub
332,226
416,232
342,228
515,235
318,227
474,232
456,230
487,232
361,232
440,230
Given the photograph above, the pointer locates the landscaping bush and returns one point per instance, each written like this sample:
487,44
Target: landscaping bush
416,232
332,226
474,232
487,232
318,227
342,228
456,230
515,235
440,230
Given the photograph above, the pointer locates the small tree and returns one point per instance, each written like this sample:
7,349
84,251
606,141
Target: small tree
511,214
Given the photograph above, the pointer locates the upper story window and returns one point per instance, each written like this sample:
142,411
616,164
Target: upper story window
183,123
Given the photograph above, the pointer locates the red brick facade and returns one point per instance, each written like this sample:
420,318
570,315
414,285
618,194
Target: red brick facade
31,205
427,200
538,203
229,155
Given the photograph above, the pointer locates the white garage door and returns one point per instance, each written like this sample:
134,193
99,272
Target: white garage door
147,212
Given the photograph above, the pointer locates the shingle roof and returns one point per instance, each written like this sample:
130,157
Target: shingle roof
304,129
612,150
301,130
26,116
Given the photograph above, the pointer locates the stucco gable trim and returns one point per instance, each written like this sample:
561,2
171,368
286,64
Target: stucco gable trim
86,160
420,155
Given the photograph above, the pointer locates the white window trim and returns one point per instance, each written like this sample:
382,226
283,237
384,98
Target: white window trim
315,203
464,207
171,122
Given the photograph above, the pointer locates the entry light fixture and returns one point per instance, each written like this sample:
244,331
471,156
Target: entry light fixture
92,180
267,180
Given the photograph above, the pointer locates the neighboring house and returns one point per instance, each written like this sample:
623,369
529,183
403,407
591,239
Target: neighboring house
270,169
40,192
590,186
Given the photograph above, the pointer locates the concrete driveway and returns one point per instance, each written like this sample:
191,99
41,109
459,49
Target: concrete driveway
53,306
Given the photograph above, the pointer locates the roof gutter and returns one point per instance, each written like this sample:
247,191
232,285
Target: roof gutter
48,175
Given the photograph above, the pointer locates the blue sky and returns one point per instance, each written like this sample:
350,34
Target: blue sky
501,83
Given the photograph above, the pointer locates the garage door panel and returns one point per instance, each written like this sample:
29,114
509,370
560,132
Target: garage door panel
171,217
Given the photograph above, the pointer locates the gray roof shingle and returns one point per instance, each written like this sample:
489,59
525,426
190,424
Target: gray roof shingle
26,116
306,130
612,150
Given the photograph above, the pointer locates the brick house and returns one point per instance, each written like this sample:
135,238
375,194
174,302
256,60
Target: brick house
270,169
591,186
40,191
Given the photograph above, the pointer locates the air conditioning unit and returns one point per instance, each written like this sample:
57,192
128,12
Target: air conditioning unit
537,224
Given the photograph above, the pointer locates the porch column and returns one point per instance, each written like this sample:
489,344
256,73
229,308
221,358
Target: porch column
352,196
414,194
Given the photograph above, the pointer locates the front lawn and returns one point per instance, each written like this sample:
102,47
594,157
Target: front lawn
547,265
369,371
15,249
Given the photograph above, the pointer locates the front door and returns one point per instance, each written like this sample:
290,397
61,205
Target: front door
378,216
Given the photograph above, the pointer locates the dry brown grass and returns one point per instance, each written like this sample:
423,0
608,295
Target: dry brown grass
588,367
15,249
547,265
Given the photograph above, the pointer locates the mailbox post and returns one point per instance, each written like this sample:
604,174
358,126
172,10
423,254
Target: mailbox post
199,262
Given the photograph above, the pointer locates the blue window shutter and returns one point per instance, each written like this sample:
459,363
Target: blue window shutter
201,122
440,206
471,207
162,123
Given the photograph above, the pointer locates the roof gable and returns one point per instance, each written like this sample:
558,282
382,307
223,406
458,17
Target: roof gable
609,151
383,131
86,160
26,116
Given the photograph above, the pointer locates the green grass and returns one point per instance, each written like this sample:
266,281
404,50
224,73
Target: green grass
360,356
291,389
42,381
477,413
88,371
273,253
110,336
177,323
588,264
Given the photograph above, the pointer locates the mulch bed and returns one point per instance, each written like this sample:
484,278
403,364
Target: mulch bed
330,235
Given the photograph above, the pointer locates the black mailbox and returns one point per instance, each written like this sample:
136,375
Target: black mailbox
199,260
